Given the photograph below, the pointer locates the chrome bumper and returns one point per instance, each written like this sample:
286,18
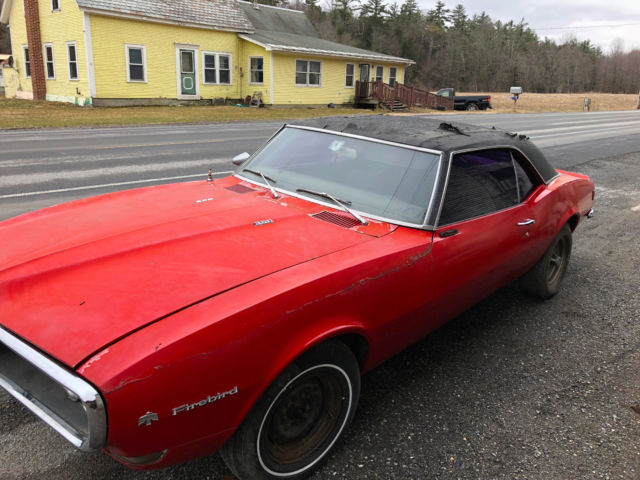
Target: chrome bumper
61,398
589,213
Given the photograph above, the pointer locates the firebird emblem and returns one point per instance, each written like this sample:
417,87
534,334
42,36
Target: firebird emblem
147,419
210,399
262,222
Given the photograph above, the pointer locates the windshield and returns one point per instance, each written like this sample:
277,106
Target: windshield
382,180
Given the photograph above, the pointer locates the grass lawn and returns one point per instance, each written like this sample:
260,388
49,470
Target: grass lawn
37,114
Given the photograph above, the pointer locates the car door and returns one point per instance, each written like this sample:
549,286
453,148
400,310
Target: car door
485,230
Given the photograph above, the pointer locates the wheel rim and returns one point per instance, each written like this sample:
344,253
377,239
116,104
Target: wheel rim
557,261
304,420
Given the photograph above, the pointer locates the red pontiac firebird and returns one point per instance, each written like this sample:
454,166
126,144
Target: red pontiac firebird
165,323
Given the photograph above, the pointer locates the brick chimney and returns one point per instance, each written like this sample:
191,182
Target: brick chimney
32,16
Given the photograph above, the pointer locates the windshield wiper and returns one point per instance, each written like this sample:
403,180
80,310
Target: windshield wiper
265,178
337,201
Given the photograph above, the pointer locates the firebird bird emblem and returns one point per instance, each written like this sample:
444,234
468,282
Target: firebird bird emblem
147,418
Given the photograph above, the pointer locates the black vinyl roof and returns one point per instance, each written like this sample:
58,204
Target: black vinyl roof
435,134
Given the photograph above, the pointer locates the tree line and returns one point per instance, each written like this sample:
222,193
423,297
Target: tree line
473,52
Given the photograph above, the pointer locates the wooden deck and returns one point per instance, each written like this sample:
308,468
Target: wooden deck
391,96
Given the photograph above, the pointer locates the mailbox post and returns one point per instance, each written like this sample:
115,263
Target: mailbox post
515,94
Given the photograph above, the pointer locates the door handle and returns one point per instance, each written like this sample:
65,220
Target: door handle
528,221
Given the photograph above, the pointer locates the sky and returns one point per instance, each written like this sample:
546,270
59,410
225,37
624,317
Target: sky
601,21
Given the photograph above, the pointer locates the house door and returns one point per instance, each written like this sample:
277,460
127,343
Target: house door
365,72
187,72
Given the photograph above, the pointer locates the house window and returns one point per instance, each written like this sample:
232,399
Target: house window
55,5
217,68
27,62
256,70
308,73
136,63
379,73
393,73
72,57
350,72
224,68
48,58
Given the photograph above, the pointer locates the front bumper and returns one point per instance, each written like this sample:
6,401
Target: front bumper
64,400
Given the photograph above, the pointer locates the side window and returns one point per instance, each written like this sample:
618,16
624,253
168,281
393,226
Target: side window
527,180
480,183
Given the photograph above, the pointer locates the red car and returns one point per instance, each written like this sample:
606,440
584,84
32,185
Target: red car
165,323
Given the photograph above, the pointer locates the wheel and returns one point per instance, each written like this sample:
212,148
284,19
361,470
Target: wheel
543,280
472,106
298,420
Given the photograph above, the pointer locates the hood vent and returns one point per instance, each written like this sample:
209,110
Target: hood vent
342,220
240,188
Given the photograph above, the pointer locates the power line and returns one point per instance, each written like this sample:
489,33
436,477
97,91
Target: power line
586,26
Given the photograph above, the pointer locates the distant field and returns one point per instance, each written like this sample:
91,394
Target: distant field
560,102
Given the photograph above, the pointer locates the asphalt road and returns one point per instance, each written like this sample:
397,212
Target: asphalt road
39,168
512,389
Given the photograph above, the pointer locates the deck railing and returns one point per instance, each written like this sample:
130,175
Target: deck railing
409,96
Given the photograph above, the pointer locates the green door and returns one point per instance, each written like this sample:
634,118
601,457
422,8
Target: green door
187,72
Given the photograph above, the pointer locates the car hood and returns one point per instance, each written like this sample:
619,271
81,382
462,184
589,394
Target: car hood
77,277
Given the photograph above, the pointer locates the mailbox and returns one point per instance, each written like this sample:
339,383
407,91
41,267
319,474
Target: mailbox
515,90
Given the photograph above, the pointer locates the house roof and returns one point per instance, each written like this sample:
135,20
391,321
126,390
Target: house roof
285,30
273,28
218,14
276,19
303,44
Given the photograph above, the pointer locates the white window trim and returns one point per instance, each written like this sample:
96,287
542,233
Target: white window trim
353,75
55,9
375,73
25,48
46,61
217,66
396,75
249,68
127,46
77,79
307,85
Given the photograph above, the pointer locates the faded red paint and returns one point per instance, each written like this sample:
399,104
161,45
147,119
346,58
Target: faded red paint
257,296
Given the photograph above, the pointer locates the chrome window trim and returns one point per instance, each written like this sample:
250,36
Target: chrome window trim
362,137
480,149
90,398
422,226
509,147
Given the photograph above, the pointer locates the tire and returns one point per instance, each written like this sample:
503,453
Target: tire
544,279
297,422
471,107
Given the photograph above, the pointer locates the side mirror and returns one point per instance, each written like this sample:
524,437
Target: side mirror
240,159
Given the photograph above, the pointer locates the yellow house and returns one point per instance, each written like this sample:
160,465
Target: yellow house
142,52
